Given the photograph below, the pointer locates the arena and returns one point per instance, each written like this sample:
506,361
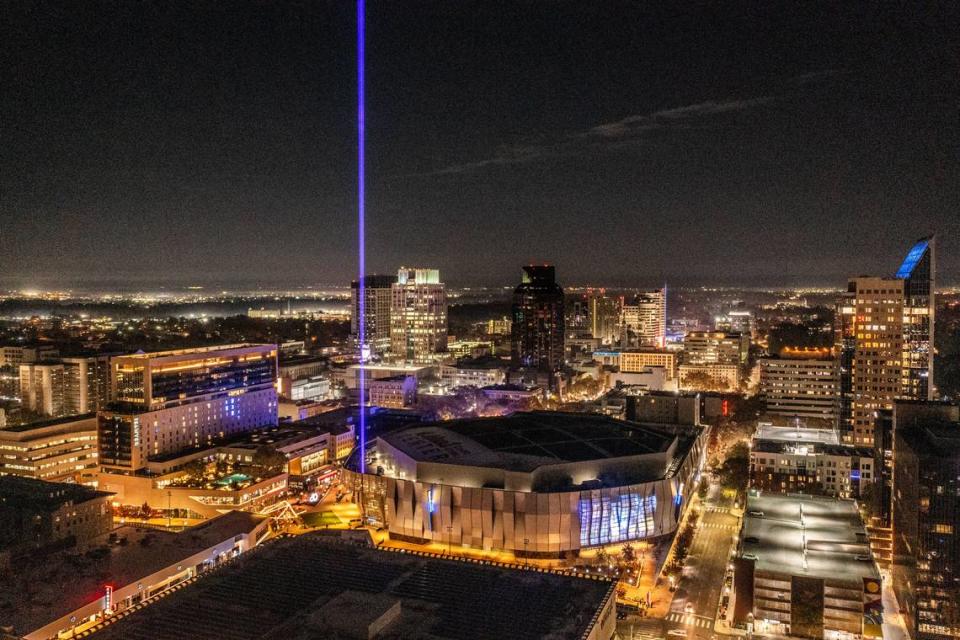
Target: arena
538,484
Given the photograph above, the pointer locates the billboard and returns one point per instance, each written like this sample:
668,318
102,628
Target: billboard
872,608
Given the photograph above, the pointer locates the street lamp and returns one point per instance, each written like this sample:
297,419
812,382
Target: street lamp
526,541
449,537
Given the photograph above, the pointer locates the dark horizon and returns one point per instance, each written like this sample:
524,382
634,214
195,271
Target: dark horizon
216,143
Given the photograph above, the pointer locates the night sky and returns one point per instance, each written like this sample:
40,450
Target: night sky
215,141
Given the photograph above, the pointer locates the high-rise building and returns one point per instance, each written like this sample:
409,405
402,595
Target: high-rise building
603,314
884,329
715,347
803,383
926,525
172,401
65,386
643,322
918,274
877,366
378,299
538,322
418,315
41,388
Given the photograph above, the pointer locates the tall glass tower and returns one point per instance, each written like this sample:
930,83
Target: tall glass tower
918,273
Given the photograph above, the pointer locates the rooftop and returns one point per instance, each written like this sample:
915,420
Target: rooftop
807,536
41,424
527,440
939,440
315,586
767,431
52,586
38,495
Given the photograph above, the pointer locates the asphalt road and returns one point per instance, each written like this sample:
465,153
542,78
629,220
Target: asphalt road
702,581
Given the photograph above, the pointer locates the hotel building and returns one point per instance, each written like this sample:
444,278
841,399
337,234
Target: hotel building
171,401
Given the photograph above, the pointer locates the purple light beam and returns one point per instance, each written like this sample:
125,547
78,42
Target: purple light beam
361,218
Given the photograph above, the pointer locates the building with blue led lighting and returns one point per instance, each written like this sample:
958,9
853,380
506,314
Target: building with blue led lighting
541,484
918,274
172,401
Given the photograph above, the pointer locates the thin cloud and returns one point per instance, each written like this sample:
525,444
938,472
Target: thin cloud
620,132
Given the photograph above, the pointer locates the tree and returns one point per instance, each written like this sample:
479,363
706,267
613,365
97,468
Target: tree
268,459
629,554
196,468
736,468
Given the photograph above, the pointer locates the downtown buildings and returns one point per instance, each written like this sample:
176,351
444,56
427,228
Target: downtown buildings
418,315
169,401
643,321
377,292
537,342
884,329
926,518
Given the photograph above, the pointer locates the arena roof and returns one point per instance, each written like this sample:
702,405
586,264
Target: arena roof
530,439
313,586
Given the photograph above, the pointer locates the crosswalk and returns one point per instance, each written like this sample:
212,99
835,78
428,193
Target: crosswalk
690,620
718,525
718,509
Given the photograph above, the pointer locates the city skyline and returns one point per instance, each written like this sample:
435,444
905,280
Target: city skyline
160,148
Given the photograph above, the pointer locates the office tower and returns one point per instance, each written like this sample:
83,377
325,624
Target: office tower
172,401
41,388
378,297
844,347
603,314
418,315
877,367
802,383
57,450
538,323
15,355
86,382
715,347
918,273
736,322
66,386
926,523
643,322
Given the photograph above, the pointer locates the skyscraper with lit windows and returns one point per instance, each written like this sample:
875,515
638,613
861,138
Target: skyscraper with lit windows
418,315
538,322
378,292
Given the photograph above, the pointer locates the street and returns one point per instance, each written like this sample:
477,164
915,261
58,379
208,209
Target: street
702,581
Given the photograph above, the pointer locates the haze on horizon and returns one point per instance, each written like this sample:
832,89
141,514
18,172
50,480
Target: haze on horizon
215,144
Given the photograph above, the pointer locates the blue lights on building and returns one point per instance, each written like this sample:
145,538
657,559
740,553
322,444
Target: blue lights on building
608,519
913,258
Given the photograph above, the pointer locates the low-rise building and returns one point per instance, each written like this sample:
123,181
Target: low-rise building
329,585
58,450
395,392
474,372
37,514
804,569
715,376
512,392
803,460
61,597
641,359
